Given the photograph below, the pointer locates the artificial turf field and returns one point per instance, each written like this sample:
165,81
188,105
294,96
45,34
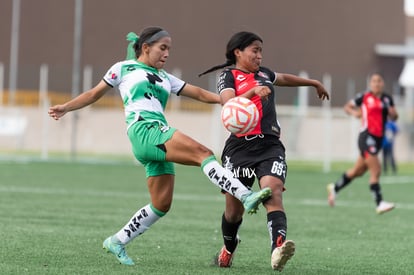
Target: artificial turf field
55,215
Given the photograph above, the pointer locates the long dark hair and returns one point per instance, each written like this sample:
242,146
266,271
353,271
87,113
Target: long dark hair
240,41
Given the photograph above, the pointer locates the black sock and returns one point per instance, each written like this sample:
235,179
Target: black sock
343,181
277,226
376,192
229,231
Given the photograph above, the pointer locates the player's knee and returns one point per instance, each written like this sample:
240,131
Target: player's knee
205,151
163,206
201,153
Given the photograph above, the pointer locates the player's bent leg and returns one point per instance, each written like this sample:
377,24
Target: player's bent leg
225,180
161,190
182,149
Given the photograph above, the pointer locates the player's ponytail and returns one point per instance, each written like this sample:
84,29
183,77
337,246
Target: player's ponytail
212,69
240,41
133,39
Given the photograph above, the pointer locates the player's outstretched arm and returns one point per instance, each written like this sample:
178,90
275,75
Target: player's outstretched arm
291,80
200,94
351,109
80,101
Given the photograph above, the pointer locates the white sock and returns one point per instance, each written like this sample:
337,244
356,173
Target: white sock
139,223
223,178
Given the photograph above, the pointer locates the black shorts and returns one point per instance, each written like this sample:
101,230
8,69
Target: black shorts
369,144
253,157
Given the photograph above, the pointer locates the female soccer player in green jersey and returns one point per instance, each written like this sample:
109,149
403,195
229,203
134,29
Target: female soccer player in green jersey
145,88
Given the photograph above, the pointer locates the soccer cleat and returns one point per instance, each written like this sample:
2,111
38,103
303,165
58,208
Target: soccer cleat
251,201
225,258
282,254
118,250
331,194
384,206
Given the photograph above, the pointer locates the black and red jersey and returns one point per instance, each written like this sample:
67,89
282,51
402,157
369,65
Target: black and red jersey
374,111
241,82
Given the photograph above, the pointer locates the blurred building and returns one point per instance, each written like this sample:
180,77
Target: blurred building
319,37
330,40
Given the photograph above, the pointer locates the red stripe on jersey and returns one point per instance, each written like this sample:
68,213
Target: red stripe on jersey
372,114
243,82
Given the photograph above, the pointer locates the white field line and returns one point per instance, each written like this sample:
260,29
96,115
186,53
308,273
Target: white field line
397,179
177,196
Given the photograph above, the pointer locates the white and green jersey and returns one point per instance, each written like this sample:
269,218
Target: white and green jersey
144,89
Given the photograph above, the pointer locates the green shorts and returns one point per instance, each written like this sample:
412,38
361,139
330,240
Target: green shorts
148,139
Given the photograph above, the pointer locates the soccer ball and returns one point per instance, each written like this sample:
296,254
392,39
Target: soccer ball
239,115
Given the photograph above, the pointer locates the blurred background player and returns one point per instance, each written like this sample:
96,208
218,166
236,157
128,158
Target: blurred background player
391,130
258,153
374,107
145,88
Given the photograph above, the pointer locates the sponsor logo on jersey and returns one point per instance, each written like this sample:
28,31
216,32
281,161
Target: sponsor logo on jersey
240,77
238,171
242,85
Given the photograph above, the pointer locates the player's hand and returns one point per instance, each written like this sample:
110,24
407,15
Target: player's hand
357,113
57,111
322,93
262,91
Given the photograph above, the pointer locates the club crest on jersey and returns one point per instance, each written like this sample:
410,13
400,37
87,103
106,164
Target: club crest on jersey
112,75
262,74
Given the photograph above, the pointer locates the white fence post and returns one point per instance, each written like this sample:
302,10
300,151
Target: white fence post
45,132
44,106
351,92
1,83
327,115
303,96
87,78
43,83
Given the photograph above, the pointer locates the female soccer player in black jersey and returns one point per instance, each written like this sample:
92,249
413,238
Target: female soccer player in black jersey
373,107
258,153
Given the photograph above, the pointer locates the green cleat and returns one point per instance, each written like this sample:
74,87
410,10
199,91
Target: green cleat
118,250
251,201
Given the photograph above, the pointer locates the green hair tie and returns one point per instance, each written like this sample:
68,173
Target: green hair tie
132,38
